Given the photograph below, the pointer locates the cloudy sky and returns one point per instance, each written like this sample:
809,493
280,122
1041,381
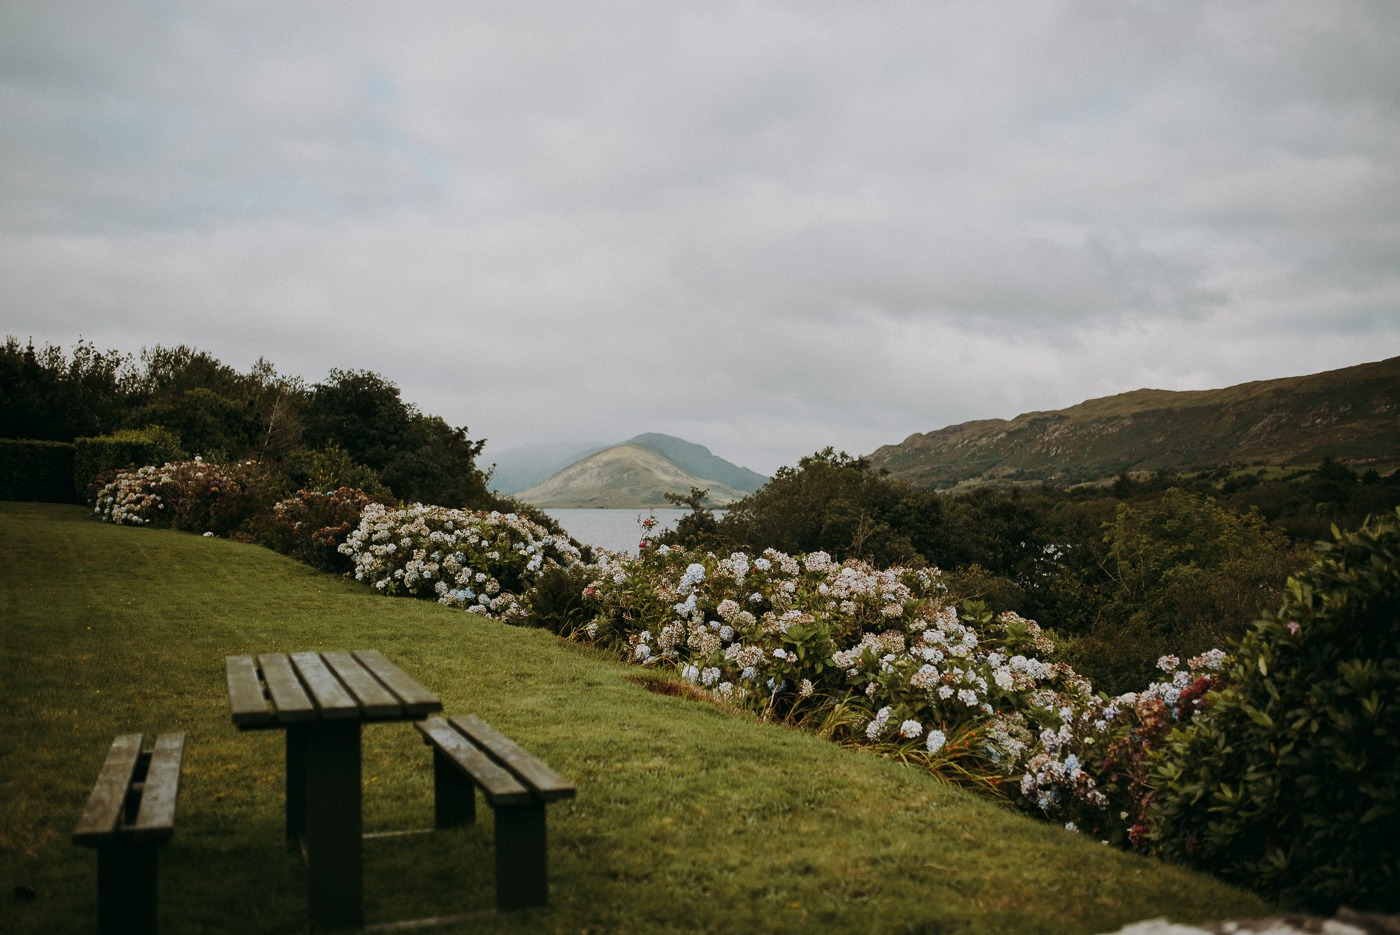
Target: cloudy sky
765,227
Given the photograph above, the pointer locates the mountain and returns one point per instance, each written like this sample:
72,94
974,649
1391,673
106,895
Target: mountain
696,459
518,469
1352,414
525,466
630,476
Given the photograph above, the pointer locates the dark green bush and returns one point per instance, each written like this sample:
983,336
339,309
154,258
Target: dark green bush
556,601
120,451
1290,782
36,470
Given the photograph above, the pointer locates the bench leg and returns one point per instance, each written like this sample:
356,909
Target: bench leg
334,869
521,875
126,888
454,795
296,783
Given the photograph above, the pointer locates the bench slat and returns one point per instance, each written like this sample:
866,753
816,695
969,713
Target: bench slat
417,700
288,697
245,694
498,785
330,696
548,784
155,820
104,806
374,699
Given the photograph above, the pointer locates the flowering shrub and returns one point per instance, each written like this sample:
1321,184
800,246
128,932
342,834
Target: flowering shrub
312,526
1091,772
482,562
878,656
193,495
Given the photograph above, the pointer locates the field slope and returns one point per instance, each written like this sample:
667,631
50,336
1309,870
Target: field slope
688,818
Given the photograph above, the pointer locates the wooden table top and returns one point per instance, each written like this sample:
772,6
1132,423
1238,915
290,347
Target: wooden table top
278,689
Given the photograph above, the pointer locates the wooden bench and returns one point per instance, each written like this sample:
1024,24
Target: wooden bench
130,813
468,754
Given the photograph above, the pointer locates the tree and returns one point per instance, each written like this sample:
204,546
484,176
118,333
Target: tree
46,394
834,503
1179,576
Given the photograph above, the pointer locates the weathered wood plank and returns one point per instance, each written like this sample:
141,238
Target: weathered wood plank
245,693
416,699
155,820
104,806
548,784
332,699
374,699
290,700
495,782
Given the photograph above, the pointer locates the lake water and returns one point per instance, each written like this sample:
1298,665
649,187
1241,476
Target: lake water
619,530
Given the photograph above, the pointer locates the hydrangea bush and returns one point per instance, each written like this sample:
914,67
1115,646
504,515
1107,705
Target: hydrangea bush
195,495
477,561
312,526
874,657
1092,771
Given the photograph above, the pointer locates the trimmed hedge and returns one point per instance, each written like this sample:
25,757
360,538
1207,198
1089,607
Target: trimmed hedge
31,469
120,451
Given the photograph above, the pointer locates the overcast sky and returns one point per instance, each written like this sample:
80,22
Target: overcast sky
764,227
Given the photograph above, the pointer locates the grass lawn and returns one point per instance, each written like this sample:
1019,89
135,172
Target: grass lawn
688,818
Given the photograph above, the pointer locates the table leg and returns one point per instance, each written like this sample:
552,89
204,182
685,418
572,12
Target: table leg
296,783
334,873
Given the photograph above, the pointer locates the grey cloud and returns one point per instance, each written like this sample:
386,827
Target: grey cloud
775,225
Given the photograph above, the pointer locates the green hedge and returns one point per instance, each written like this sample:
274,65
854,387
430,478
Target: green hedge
121,451
36,470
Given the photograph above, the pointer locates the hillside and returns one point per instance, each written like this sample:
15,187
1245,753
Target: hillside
625,476
1352,414
516,469
689,818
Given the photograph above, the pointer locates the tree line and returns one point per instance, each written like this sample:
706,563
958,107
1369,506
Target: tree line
352,429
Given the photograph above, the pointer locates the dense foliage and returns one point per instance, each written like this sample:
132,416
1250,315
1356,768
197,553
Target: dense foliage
1288,782
353,429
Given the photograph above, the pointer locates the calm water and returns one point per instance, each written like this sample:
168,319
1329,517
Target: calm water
614,529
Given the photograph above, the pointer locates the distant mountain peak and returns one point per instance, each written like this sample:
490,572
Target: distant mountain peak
626,476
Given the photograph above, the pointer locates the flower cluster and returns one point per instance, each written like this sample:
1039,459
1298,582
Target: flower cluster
791,638
1091,771
312,526
196,495
482,562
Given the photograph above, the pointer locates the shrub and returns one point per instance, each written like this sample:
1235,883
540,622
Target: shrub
1091,773
192,495
557,602
36,470
312,526
478,561
123,450
1288,782
875,658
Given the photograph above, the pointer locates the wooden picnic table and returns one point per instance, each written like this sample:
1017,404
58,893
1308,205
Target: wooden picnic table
321,700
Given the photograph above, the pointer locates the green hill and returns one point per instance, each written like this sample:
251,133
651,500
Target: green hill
1351,414
689,818
633,475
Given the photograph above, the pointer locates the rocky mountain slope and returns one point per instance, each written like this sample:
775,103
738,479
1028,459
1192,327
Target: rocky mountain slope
1352,414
